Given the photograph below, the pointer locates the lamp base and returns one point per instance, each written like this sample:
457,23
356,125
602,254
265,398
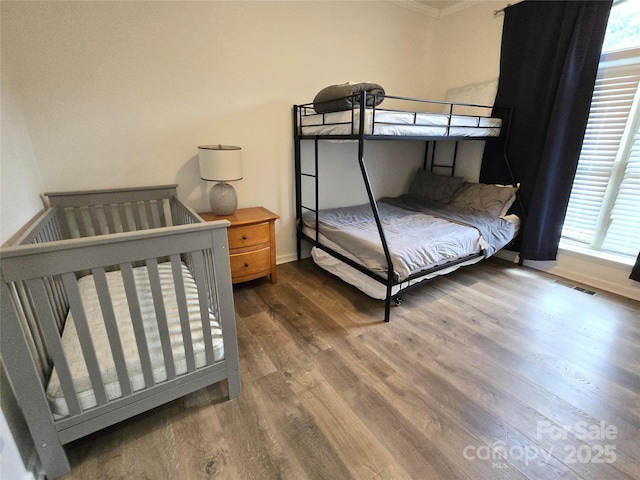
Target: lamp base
224,200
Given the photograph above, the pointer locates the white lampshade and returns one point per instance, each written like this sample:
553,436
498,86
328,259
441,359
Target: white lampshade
220,163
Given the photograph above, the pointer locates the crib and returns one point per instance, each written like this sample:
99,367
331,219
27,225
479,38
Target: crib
114,302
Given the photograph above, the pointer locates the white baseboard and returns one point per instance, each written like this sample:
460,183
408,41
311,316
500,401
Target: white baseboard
508,255
596,273
290,257
613,285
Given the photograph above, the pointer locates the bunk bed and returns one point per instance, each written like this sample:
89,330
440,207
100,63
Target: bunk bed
377,246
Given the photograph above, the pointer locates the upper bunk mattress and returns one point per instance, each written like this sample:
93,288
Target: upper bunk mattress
417,241
91,304
379,122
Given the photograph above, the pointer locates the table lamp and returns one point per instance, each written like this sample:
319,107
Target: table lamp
222,164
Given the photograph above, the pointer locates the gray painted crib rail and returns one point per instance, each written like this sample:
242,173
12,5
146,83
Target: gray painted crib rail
114,234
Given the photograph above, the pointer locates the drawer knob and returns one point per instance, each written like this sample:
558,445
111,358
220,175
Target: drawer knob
244,237
246,265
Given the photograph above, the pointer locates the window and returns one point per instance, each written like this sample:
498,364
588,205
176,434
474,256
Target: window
603,214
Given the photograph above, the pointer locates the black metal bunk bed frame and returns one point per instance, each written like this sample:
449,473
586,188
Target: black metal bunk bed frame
360,103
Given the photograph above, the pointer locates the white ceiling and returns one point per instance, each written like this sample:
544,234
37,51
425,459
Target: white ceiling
439,4
436,8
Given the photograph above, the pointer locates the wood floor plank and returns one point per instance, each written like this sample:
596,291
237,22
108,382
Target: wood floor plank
580,399
298,432
254,361
486,373
510,395
254,450
468,413
343,428
200,440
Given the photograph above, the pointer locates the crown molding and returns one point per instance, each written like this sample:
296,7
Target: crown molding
433,12
458,7
416,7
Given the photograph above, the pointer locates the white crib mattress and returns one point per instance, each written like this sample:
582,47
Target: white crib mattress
93,311
399,123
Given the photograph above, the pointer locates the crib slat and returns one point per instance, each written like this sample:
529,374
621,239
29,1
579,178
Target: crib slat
150,220
95,221
48,233
77,218
124,220
136,321
161,317
157,212
135,209
106,305
181,297
159,209
201,284
53,342
54,300
152,214
84,336
30,323
108,214
208,258
83,230
103,211
61,299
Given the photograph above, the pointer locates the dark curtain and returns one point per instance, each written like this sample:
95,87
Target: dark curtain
548,65
635,272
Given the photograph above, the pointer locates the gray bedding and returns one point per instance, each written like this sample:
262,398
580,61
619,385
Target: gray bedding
496,231
419,236
336,98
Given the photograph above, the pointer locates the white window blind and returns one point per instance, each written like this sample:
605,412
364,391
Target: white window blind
623,234
604,208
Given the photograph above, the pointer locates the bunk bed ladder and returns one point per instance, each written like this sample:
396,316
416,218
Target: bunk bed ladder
451,167
299,174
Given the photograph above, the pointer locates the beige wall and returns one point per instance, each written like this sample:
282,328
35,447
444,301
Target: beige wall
467,46
20,180
122,93
111,94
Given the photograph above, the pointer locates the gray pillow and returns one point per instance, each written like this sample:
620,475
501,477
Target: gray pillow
493,199
437,188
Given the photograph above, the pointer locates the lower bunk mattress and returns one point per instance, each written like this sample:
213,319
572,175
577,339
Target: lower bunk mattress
419,239
92,308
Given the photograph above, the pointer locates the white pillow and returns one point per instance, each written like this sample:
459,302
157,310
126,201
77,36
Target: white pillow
483,93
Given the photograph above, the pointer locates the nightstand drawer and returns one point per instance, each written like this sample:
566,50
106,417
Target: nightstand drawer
246,265
248,235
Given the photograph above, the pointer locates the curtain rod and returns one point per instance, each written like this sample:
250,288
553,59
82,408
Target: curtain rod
498,12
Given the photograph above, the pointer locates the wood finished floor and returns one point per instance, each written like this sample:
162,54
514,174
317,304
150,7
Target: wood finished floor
492,372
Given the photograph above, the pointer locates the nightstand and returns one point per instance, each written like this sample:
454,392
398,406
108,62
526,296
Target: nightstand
252,243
